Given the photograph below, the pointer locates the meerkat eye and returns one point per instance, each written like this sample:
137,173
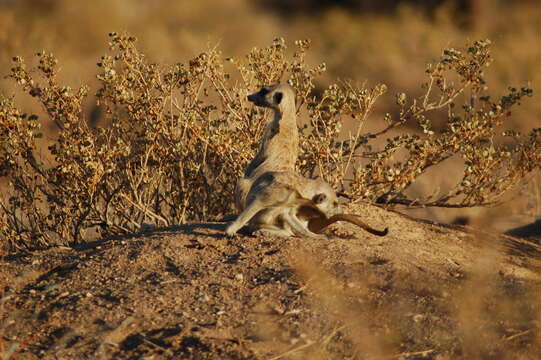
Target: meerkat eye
264,91
278,98
319,198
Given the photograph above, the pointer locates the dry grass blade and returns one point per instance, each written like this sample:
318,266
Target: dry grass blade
517,335
407,355
294,350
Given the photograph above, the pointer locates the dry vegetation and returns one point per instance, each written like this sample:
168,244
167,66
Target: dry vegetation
179,136
372,47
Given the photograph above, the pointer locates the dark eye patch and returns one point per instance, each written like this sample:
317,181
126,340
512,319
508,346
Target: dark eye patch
278,97
319,198
263,91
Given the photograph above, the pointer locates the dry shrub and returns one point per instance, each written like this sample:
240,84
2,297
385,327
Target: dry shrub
180,136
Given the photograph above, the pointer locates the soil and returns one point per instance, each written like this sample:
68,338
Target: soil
424,291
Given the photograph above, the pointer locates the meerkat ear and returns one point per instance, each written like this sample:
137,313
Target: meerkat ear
319,198
278,97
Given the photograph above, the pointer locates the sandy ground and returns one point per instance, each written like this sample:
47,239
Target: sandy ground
425,291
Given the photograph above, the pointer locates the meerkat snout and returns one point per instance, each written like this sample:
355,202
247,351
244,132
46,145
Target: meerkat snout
268,96
257,96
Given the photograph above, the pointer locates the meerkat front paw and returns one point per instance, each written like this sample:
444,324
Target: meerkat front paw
231,230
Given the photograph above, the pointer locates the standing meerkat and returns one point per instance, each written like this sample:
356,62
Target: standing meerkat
279,145
286,204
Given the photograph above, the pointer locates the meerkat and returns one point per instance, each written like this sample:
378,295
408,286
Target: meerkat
276,205
271,197
286,204
279,145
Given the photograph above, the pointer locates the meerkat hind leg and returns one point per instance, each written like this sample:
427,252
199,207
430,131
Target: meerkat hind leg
299,228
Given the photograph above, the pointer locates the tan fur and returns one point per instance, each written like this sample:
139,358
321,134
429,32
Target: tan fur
280,142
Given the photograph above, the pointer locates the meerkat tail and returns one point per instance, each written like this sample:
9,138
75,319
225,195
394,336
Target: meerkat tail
317,225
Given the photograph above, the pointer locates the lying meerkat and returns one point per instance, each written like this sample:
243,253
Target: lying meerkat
286,204
280,141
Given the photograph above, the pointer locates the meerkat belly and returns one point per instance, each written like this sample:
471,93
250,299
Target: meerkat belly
281,156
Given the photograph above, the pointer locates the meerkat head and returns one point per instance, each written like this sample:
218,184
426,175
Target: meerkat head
317,210
326,200
277,97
